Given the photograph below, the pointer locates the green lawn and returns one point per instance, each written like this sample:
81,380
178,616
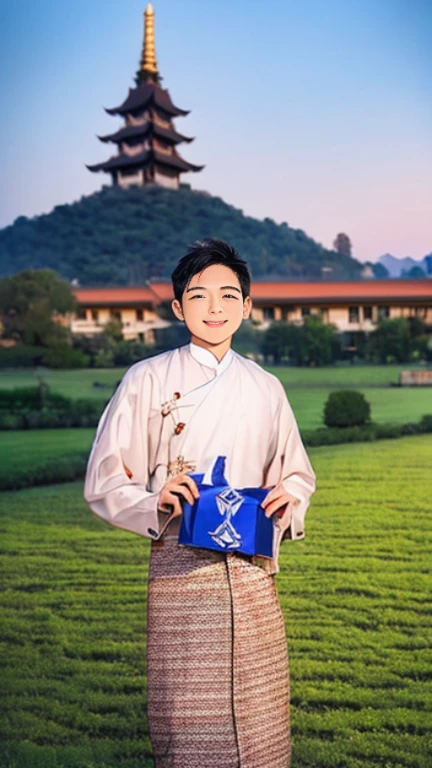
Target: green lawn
355,597
307,389
397,405
79,383
74,383
25,455
29,448
333,376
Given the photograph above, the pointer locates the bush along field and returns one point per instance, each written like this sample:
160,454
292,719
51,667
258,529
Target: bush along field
354,594
307,389
41,457
28,461
40,408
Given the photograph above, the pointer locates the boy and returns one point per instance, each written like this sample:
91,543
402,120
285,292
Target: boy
218,684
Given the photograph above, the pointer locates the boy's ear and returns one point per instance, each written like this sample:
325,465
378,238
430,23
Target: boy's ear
247,307
177,309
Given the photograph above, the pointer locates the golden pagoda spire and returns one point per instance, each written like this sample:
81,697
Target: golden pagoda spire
148,66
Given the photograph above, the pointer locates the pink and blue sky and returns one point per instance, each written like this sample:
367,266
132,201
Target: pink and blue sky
318,113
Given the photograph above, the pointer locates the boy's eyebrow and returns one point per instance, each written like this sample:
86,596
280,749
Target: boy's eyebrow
222,288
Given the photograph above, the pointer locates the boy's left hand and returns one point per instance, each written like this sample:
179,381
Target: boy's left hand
277,501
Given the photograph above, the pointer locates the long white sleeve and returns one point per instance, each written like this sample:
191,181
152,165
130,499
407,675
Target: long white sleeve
291,465
116,484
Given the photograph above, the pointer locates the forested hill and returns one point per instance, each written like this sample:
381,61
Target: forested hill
124,237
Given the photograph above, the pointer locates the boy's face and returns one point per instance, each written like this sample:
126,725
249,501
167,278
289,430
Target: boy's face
213,307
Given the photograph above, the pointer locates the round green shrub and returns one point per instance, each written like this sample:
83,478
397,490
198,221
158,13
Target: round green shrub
426,423
346,408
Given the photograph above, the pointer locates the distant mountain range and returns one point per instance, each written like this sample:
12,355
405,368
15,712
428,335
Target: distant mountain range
400,267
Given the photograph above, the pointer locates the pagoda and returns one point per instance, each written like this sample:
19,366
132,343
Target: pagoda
147,143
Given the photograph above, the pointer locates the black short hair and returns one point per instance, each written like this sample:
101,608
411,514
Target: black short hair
205,253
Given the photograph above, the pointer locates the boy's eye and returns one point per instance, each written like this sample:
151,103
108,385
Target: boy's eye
224,296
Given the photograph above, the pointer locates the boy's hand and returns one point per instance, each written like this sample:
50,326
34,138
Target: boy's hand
180,486
277,501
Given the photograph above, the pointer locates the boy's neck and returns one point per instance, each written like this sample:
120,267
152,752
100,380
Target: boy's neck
218,350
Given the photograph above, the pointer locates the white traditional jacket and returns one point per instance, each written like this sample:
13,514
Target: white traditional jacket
177,412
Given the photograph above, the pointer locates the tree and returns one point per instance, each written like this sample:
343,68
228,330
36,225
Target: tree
390,342
113,329
284,342
380,271
343,245
32,304
319,338
421,340
246,340
416,271
309,344
119,236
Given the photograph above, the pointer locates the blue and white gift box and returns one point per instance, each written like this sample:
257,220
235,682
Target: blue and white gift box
227,519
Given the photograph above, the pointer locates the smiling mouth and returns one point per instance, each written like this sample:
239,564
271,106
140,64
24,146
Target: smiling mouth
215,323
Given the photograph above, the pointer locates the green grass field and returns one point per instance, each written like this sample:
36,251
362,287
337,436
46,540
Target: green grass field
387,405
78,383
307,389
25,453
74,383
30,448
355,596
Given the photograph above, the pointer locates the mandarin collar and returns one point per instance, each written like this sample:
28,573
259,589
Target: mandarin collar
207,358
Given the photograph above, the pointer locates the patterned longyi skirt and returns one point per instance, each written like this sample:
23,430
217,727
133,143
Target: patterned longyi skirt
218,681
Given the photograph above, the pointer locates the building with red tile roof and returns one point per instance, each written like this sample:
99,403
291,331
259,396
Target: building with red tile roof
352,306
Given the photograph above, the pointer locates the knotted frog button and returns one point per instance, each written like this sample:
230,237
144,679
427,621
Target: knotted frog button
152,532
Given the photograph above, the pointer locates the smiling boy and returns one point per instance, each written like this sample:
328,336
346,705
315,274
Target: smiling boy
218,684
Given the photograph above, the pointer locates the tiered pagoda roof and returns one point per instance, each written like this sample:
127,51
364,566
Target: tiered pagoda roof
140,131
147,143
144,160
144,96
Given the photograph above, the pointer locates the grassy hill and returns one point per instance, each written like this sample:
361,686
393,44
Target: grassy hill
124,237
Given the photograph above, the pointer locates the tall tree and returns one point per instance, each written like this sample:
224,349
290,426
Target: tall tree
342,244
309,344
319,340
284,342
32,305
391,341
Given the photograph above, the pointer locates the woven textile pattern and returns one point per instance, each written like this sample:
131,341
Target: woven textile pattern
218,690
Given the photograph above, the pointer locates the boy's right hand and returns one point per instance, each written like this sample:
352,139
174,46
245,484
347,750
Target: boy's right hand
175,489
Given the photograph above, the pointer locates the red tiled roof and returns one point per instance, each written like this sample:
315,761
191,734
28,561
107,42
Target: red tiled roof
164,291
351,289
287,292
100,296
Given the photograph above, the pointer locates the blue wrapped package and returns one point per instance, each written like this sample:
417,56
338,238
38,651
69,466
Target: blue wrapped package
227,519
